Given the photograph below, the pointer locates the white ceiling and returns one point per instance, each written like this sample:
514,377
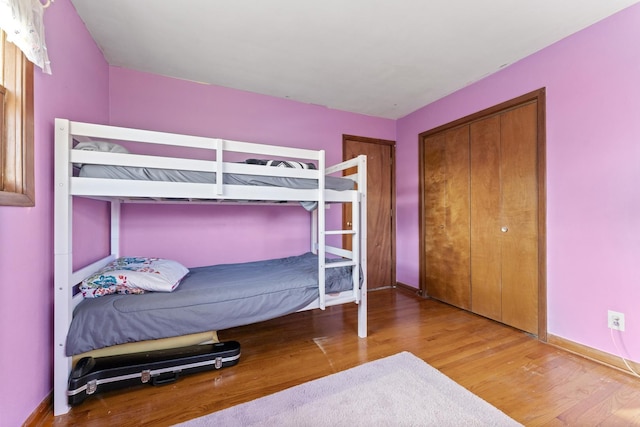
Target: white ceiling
384,58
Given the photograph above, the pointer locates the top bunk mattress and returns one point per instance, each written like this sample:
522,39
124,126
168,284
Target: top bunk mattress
152,174
188,176
209,298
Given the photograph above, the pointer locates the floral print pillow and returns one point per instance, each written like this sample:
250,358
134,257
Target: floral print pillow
134,275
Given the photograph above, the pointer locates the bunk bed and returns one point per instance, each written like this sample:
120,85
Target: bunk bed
91,161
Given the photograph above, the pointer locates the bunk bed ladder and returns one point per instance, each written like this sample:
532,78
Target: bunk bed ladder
355,258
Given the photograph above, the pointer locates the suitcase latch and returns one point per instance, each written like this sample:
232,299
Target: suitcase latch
145,376
218,364
92,386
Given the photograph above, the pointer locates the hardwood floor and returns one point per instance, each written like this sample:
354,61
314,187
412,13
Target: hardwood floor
534,383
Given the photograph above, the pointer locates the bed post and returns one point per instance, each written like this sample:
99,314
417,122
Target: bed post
322,226
63,206
115,227
314,231
362,190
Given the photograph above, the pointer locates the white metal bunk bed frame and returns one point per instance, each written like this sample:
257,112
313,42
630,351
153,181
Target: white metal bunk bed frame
127,191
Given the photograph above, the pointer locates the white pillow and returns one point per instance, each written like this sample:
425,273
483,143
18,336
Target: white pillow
105,146
134,275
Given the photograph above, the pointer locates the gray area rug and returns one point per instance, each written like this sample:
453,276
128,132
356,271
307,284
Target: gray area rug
400,390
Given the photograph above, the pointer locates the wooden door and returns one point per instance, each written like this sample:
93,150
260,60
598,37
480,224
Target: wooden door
446,216
504,212
380,202
486,218
520,218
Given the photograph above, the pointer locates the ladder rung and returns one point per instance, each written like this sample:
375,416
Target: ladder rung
339,264
340,232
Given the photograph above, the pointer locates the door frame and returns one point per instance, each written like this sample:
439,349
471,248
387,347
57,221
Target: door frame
538,96
392,146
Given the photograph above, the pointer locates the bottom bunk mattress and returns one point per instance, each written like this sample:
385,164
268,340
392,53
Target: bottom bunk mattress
208,298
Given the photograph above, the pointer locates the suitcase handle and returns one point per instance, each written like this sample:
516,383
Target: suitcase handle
165,379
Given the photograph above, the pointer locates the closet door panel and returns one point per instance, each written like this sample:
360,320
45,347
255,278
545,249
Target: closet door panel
486,250
520,215
457,206
447,217
434,206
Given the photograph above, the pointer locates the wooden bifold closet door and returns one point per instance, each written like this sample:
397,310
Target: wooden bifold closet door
504,209
481,215
446,207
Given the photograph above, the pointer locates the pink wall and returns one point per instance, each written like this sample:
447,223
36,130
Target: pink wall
77,89
206,235
593,171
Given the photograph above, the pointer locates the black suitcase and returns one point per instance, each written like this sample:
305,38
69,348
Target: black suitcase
92,375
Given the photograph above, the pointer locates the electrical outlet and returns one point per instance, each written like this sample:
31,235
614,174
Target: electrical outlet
615,320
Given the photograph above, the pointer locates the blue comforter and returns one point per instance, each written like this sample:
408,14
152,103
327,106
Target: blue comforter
209,298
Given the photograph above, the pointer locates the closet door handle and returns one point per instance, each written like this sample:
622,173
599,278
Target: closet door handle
504,229
349,224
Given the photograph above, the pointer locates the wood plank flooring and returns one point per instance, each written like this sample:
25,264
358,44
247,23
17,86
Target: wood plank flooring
535,383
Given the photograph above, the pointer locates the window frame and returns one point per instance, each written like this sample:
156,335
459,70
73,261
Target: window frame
17,181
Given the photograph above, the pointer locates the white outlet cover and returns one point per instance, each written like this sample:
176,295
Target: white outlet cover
613,315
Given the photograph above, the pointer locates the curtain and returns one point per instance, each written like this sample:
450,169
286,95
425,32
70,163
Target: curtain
22,21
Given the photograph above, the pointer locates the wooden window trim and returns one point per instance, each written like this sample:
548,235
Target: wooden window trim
17,186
